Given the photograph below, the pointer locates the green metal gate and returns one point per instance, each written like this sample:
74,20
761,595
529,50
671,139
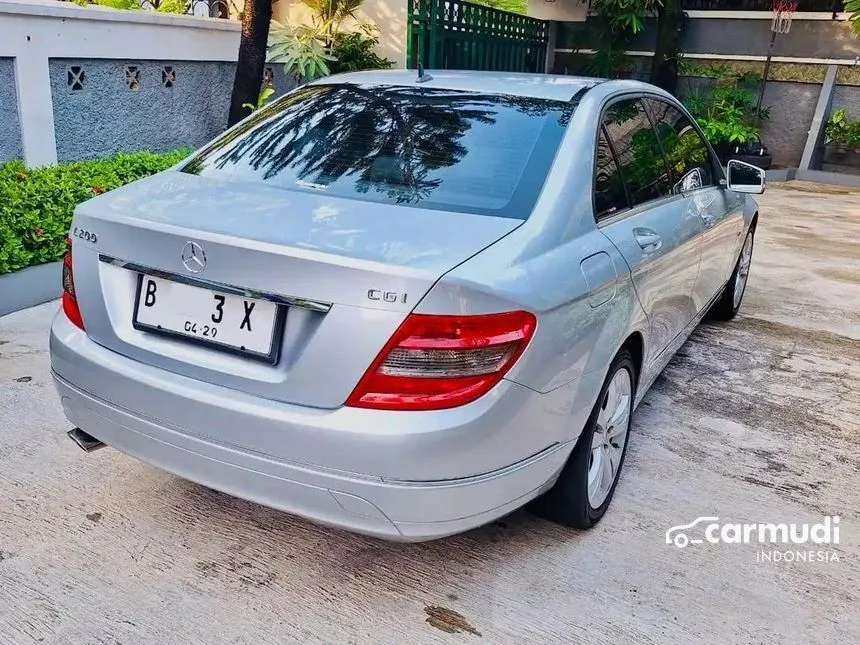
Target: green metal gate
451,34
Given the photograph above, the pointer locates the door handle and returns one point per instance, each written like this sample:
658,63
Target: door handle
647,239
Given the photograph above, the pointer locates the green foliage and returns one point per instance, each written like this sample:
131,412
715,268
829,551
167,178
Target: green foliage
36,204
837,127
163,6
512,6
301,48
854,135
620,20
173,6
852,8
626,16
683,149
726,112
697,103
608,61
647,160
727,129
357,50
113,4
263,97
324,47
686,67
842,131
333,13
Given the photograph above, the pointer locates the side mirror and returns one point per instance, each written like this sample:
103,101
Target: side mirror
744,177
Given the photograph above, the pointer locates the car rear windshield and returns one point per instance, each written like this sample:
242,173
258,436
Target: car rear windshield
425,147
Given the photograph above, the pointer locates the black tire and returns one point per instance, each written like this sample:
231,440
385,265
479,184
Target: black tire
726,307
567,501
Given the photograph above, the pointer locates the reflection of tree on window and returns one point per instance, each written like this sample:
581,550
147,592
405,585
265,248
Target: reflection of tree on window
638,151
610,196
684,148
398,143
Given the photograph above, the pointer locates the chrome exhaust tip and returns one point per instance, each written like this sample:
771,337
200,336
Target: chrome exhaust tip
85,442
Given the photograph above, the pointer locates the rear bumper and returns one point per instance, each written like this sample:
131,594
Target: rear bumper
365,503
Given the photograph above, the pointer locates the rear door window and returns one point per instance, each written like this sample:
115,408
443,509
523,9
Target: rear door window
425,147
687,154
610,195
637,151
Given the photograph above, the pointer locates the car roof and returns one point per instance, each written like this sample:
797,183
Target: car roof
545,86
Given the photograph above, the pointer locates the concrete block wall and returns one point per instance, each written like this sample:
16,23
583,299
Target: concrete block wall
808,38
103,114
57,123
10,129
848,97
792,106
47,117
734,34
142,105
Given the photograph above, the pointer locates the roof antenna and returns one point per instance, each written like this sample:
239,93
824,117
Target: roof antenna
422,77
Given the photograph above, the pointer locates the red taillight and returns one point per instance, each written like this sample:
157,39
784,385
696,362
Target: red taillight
436,362
70,302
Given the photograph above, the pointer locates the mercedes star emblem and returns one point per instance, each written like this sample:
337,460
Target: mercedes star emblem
193,257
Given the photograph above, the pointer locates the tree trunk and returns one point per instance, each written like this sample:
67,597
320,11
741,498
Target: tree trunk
256,17
664,66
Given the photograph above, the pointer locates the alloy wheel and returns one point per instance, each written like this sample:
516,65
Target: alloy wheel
610,436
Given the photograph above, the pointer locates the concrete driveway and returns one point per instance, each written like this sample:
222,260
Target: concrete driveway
754,421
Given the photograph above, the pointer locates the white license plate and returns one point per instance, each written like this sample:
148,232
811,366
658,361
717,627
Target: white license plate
231,322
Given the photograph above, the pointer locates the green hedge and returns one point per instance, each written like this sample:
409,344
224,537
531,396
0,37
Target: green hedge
36,205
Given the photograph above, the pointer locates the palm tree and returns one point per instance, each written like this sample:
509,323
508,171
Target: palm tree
852,8
331,14
256,17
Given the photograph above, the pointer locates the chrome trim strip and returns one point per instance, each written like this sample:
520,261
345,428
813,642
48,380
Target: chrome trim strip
290,301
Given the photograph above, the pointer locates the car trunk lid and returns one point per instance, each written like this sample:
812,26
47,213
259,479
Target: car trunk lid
346,273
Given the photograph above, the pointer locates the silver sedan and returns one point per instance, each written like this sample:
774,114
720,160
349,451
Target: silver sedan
405,305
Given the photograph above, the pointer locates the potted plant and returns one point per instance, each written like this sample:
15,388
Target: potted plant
727,114
837,136
752,151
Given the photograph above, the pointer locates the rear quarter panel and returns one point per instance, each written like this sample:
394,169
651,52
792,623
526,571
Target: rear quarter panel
581,326
577,335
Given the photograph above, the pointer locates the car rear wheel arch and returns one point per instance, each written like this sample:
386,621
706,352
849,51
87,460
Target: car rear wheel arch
635,344
567,501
